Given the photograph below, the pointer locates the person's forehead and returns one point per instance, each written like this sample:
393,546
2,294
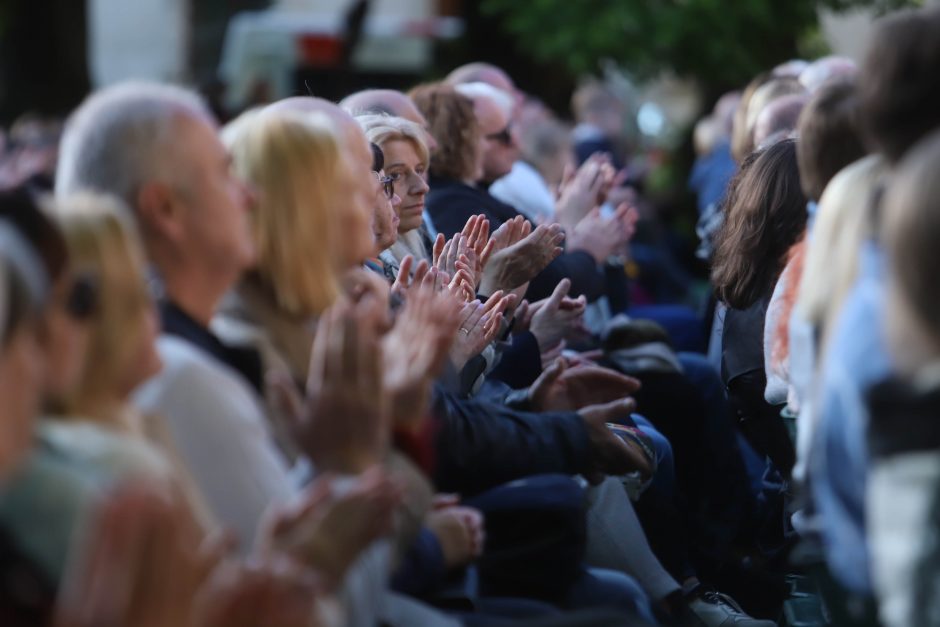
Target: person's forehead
489,114
200,131
401,149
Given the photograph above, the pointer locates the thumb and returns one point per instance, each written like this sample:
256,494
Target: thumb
404,269
561,290
549,375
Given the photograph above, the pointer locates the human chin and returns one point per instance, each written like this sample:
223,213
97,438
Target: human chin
409,223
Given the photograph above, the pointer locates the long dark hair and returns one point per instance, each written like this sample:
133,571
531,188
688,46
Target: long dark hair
765,213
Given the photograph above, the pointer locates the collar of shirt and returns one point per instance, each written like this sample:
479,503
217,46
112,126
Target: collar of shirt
245,360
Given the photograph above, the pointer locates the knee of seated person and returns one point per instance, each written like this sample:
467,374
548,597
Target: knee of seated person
661,445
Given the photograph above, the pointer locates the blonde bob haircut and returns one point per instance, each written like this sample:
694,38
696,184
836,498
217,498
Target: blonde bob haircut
380,129
104,245
293,160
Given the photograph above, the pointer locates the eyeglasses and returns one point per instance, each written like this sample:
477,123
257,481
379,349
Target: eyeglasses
387,183
504,137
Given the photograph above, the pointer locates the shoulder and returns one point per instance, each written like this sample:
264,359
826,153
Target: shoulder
195,384
107,451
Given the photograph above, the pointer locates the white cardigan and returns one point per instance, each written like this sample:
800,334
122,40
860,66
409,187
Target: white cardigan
219,428
218,424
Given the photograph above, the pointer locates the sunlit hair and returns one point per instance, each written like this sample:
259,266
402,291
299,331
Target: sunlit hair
293,161
452,121
765,213
104,245
911,230
502,99
380,129
843,222
740,137
763,96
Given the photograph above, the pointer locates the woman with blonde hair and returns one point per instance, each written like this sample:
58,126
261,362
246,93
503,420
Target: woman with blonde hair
98,342
93,421
407,159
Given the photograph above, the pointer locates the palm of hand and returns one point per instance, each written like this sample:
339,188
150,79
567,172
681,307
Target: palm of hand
582,386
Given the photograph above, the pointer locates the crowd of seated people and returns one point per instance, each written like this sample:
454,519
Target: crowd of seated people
378,362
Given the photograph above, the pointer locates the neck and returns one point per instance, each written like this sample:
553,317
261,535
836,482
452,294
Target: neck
190,286
198,299
107,411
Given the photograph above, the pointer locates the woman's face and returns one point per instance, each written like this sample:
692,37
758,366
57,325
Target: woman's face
403,164
64,338
21,385
357,190
385,217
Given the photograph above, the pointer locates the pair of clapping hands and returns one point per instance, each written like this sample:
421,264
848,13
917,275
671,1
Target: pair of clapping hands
578,209
497,266
143,562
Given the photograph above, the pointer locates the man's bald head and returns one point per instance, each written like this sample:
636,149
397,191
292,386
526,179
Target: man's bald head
387,102
827,70
779,118
491,75
484,73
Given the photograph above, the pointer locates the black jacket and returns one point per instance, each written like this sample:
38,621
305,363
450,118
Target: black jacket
450,204
479,444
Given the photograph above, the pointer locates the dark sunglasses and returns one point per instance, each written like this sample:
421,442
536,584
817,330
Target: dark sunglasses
504,137
82,299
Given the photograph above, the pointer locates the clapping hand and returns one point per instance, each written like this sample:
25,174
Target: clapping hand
602,236
479,326
518,263
340,424
562,387
551,319
329,528
143,563
414,352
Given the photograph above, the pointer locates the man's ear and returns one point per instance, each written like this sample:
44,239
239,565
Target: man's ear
159,210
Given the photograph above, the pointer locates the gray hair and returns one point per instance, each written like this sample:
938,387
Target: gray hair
501,98
121,137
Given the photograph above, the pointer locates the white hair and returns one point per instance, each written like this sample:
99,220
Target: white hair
824,70
499,97
121,137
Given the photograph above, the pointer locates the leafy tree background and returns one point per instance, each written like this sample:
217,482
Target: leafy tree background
719,43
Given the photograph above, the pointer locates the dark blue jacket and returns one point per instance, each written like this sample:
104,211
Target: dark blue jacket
480,444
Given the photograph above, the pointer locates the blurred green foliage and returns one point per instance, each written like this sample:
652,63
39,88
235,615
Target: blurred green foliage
721,43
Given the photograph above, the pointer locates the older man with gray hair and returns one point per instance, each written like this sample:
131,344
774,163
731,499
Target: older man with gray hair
157,148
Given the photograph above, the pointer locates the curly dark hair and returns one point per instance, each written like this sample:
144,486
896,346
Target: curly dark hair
453,124
765,214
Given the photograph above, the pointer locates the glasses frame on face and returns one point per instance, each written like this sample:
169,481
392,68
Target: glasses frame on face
387,183
504,136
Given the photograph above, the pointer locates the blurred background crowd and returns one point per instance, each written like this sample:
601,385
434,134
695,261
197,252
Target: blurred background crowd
402,312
